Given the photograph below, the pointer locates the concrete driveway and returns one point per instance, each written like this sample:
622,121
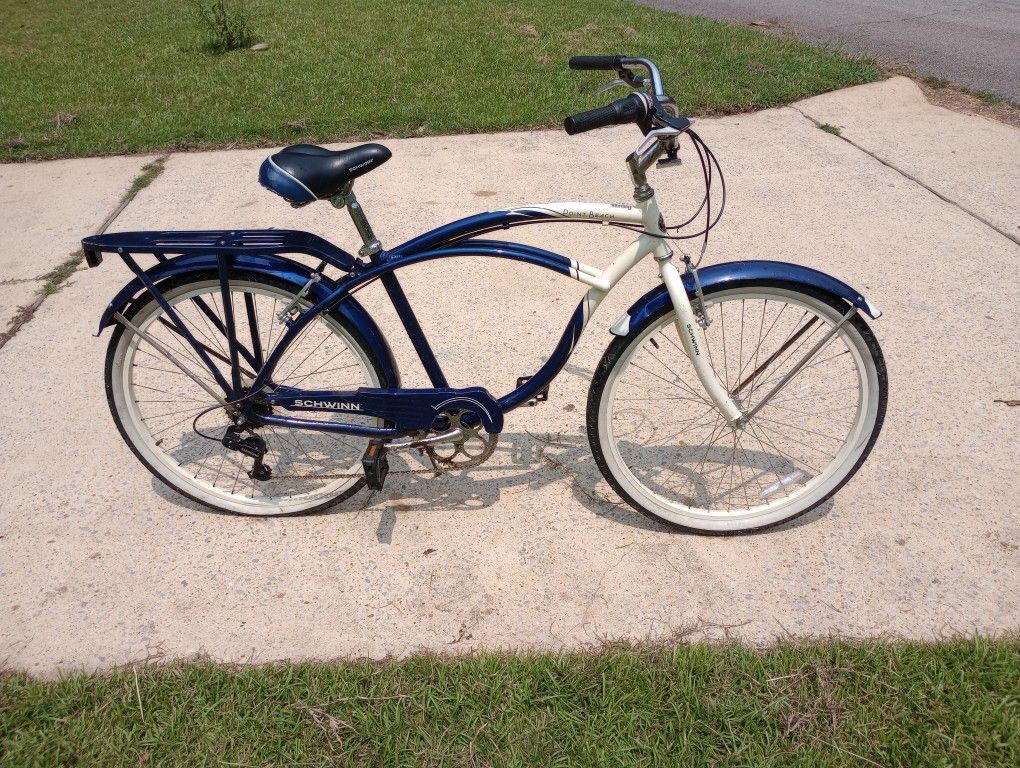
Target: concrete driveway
971,42
101,565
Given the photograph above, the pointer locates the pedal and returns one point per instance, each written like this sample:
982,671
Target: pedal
376,465
539,397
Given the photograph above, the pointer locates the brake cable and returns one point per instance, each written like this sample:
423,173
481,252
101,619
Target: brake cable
707,159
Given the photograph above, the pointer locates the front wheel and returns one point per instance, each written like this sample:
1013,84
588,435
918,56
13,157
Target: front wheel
666,449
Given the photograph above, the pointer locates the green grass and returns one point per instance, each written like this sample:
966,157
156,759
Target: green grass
829,128
936,82
988,97
57,277
60,275
814,704
87,77
149,173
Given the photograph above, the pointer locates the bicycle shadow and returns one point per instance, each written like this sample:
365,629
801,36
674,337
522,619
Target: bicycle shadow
523,462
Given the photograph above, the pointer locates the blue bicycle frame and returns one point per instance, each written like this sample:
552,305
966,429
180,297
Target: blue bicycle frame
409,409
404,411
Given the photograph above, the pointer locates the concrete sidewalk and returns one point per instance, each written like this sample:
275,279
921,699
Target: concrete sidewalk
44,210
102,565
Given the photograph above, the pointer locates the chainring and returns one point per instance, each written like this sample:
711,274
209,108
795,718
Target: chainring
471,449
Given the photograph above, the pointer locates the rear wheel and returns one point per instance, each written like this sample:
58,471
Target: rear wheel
666,449
175,428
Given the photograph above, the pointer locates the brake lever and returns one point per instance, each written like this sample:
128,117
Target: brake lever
629,80
610,86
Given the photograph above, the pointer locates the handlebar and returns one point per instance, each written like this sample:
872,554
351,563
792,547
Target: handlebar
649,111
595,62
622,65
630,109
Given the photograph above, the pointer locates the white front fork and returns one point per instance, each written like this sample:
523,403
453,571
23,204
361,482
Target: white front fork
693,339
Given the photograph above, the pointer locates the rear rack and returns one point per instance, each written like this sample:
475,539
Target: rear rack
263,242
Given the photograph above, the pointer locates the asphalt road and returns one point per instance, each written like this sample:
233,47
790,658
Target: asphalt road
975,44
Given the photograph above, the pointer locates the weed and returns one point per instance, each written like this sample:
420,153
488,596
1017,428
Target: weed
227,23
56,278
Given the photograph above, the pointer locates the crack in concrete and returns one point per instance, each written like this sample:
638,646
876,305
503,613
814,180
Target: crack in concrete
25,313
23,280
973,214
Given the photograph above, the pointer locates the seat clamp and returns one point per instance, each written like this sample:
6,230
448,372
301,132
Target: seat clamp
370,249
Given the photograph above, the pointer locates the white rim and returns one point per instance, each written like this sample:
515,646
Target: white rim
169,470
753,517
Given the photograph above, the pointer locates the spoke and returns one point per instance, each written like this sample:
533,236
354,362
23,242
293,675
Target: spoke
202,372
798,442
696,472
652,373
726,366
760,433
181,344
319,369
653,399
165,392
832,357
213,336
293,345
794,336
801,397
171,426
802,429
779,371
733,458
687,386
174,372
740,353
152,417
816,414
272,327
314,349
692,427
771,463
716,434
219,469
328,370
762,339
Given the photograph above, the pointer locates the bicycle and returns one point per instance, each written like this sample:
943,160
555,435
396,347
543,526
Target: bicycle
254,383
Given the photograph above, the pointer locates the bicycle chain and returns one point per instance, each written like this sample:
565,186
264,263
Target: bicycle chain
436,471
440,464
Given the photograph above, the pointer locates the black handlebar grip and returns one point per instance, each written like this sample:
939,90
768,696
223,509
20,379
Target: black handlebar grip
630,109
595,62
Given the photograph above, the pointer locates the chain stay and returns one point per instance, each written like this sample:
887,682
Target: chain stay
440,464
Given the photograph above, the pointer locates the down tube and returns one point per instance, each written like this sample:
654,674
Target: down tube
559,356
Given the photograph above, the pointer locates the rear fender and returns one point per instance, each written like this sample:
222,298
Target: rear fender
294,273
733,273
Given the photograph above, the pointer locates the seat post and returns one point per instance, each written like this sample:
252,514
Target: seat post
346,198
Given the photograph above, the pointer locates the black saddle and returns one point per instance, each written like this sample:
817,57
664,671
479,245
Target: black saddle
303,173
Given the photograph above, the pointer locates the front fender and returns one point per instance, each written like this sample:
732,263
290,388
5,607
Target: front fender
292,272
736,272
